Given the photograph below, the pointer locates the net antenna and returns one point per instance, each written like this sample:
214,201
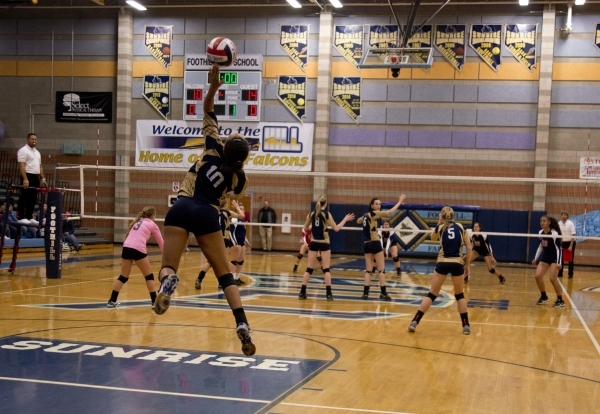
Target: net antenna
402,56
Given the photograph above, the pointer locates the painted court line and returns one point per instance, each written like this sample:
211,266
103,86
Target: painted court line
506,325
103,387
587,329
344,409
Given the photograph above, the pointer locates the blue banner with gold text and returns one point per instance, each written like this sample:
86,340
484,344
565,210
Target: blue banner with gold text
421,39
157,91
294,40
348,40
450,41
291,91
486,41
520,40
346,93
597,36
383,36
158,40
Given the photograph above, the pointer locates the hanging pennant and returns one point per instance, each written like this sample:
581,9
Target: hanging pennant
597,37
520,41
348,40
418,40
291,91
294,40
346,93
158,41
450,41
486,40
384,36
157,91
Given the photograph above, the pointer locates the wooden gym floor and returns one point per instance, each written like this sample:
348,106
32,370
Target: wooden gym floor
62,350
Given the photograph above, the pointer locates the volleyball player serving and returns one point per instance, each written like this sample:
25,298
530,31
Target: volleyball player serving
452,237
482,247
548,258
218,171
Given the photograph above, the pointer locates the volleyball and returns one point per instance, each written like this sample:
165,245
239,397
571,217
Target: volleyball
221,51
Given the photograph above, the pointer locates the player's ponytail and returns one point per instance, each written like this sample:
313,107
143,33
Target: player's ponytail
373,200
554,224
147,212
235,152
321,203
448,216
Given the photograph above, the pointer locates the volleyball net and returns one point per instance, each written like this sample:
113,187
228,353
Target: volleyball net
110,197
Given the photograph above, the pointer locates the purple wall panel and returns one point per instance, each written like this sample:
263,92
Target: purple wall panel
355,136
506,140
396,138
463,139
430,139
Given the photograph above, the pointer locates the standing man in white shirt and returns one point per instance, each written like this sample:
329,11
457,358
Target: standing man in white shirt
32,176
567,228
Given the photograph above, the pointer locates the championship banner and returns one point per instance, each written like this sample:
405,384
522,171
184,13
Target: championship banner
53,232
348,40
589,168
421,39
158,41
294,40
597,37
346,93
157,91
274,146
83,107
450,41
384,36
520,40
291,91
486,40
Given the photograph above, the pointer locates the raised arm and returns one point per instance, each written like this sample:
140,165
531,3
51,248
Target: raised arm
215,84
338,227
393,209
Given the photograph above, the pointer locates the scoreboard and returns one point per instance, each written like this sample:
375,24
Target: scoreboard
238,99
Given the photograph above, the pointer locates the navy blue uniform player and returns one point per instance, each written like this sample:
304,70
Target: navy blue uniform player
549,257
237,230
390,242
372,245
320,220
218,172
482,247
452,237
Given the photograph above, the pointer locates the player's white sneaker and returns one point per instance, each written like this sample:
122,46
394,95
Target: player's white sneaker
167,288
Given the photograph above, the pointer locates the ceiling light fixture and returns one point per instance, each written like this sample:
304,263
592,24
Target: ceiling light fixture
294,4
135,5
579,2
336,3
523,2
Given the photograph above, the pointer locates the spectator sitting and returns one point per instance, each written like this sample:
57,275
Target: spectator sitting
42,220
26,232
69,233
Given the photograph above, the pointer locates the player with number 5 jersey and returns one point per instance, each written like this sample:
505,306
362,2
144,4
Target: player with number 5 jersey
452,237
218,171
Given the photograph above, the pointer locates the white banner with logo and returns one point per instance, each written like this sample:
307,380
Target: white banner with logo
273,146
589,167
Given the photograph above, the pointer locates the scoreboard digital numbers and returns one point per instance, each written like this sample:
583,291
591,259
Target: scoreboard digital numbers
238,99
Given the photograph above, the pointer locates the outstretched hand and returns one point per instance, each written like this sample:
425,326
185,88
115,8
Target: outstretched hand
214,77
402,198
349,217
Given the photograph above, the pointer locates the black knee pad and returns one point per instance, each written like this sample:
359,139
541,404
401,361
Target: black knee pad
396,259
300,256
122,279
326,270
233,262
431,296
149,277
369,271
459,296
168,267
240,263
493,271
319,258
309,270
226,280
